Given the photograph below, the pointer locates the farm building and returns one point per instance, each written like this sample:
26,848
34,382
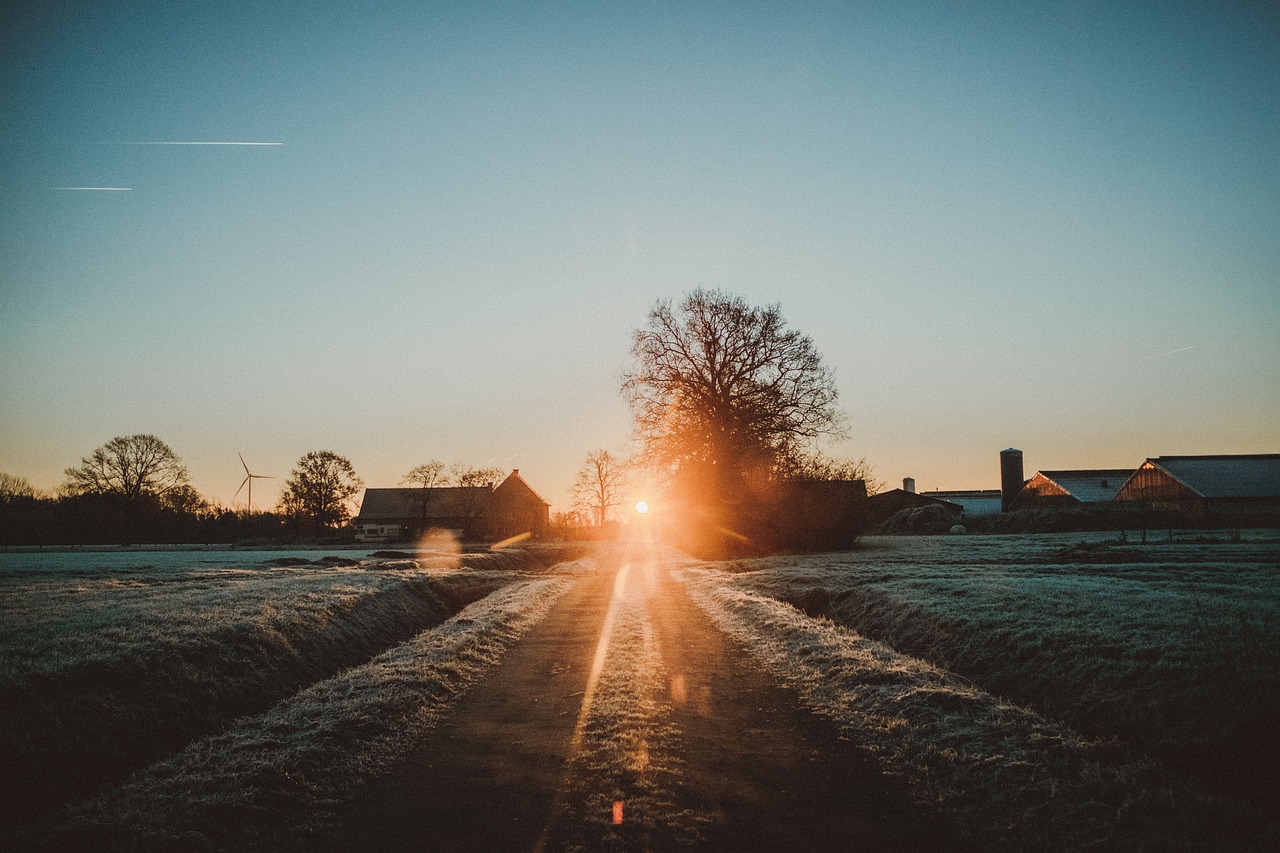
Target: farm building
471,512
1198,485
970,501
881,505
1061,489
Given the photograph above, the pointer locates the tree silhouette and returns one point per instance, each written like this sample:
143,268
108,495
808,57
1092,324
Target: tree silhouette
320,487
725,386
134,468
598,488
479,484
13,487
428,475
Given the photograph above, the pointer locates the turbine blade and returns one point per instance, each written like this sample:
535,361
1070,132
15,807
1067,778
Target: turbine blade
237,494
242,462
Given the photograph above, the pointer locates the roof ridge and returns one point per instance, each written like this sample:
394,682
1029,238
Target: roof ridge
1217,456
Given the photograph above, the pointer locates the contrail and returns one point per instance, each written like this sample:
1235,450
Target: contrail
190,143
1174,351
144,142
96,189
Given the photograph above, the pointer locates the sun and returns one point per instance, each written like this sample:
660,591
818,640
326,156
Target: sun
642,507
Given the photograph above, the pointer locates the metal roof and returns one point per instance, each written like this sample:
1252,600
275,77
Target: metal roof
1244,476
445,502
1090,486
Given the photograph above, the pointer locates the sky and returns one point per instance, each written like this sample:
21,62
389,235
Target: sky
1051,226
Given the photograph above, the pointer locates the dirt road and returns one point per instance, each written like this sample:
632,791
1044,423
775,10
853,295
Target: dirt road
626,721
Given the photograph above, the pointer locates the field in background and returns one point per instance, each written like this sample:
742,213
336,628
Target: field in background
106,667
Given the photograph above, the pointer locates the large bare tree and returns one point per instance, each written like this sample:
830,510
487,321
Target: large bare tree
320,488
727,386
133,467
598,488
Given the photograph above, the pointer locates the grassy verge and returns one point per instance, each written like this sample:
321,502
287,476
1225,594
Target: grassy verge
1172,647
101,675
1003,775
268,782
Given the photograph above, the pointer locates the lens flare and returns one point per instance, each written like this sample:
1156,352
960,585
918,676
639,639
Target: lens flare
642,507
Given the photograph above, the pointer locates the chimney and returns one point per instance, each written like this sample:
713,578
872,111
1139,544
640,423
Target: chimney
909,485
1010,477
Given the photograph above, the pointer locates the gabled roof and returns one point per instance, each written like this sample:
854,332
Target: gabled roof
1092,485
514,479
1243,476
444,502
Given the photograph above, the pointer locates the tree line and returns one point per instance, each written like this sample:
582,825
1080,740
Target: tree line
136,489
729,407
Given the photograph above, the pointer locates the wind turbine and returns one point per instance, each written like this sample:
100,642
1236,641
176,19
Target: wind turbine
248,479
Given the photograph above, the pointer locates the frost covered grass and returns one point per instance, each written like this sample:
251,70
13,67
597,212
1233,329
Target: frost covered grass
1001,774
1170,647
270,781
1173,647
627,748
104,672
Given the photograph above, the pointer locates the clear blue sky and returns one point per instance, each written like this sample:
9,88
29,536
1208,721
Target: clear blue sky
1052,226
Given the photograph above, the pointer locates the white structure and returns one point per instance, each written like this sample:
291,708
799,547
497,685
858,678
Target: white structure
971,501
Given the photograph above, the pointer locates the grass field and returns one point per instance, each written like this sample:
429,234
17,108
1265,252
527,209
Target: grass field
103,672
268,782
1149,668
1049,692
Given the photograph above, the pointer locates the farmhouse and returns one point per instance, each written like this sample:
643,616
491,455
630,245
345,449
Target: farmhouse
510,509
1069,489
1197,485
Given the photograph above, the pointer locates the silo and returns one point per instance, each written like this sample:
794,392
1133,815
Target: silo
909,484
1010,477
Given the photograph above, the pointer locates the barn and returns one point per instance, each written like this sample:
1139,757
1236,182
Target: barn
1071,489
476,513
1199,485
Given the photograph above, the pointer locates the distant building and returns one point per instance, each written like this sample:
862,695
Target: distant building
516,508
881,505
1058,489
1198,485
970,501
470,512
